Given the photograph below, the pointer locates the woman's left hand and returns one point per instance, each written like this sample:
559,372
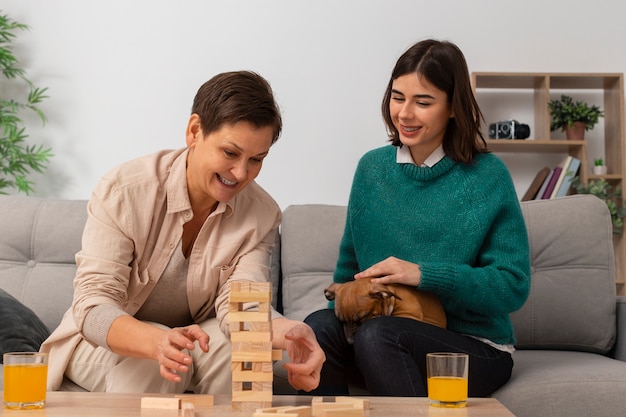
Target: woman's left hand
307,357
393,270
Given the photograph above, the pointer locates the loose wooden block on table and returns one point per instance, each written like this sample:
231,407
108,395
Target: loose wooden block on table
342,412
284,411
362,403
188,410
198,400
161,402
342,406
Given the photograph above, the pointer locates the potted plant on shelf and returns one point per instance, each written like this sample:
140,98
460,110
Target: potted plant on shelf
612,197
574,118
17,159
598,167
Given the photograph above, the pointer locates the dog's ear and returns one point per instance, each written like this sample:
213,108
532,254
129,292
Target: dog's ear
329,292
381,291
386,297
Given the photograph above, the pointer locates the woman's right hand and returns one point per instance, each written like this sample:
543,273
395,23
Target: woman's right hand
169,349
393,271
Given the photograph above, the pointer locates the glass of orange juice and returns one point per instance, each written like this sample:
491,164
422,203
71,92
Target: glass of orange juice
25,376
447,379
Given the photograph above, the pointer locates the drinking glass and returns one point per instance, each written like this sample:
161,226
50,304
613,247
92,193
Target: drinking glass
447,379
25,376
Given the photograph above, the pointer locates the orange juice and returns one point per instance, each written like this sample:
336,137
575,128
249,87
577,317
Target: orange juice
444,389
25,385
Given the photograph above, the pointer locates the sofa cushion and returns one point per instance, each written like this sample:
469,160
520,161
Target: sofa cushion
547,382
309,250
21,330
572,298
40,238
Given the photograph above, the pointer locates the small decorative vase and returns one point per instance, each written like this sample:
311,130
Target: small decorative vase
576,132
599,170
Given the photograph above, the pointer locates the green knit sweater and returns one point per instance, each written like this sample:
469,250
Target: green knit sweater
461,223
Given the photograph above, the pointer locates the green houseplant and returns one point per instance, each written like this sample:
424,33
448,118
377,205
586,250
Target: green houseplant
17,158
566,113
598,167
612,197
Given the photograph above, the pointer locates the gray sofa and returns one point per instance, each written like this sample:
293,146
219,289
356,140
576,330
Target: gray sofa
571,353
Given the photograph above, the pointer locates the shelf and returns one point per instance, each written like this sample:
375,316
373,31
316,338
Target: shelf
534,145
533,91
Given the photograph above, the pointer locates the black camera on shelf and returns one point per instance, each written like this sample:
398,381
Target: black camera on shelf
509,129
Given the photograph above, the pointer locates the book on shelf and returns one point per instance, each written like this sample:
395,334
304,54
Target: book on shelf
570,173
542,190
556,172
564,164
536,184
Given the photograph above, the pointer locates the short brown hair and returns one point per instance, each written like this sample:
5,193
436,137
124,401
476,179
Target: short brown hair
237,96
442,64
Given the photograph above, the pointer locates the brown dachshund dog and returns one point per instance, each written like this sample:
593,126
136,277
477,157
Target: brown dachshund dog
360,300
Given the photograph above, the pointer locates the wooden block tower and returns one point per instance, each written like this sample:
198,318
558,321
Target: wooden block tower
251,337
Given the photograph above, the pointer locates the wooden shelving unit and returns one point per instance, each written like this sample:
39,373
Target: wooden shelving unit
543,87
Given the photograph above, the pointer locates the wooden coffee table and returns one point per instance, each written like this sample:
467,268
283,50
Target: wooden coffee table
95,404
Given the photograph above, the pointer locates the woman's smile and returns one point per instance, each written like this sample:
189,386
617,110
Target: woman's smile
227,182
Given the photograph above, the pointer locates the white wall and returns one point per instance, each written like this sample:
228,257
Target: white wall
122,74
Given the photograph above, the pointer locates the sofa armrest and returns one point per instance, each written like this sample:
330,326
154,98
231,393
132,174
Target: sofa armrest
620,343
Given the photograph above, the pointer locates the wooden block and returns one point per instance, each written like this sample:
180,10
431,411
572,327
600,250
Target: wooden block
250,336
262,367
343,412
248,316
254,346
188,410
253,396
198,400
251,352
262,414
250,406
277,354
168,403
301,411
249,286
249,297
262,386
251,376
261,326
362,403
261,287
251,356
284,411
272,410
319,408
265,307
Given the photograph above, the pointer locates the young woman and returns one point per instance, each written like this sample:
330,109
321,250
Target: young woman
436,211
165,235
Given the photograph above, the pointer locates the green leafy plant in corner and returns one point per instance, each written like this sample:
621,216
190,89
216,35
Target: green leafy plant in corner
565,112
612,197
17,158
598,162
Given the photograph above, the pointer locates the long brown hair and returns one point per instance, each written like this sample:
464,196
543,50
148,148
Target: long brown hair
443,65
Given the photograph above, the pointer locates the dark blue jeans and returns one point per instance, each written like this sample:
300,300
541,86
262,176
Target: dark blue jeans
388,357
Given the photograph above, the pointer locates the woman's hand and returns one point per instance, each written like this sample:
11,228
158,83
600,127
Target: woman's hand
393,270
306,355
169,350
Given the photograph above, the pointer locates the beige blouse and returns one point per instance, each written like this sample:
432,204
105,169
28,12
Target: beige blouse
135,222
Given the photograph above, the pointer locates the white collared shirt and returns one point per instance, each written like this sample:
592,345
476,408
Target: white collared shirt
403,156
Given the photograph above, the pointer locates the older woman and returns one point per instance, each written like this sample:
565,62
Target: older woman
165,235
